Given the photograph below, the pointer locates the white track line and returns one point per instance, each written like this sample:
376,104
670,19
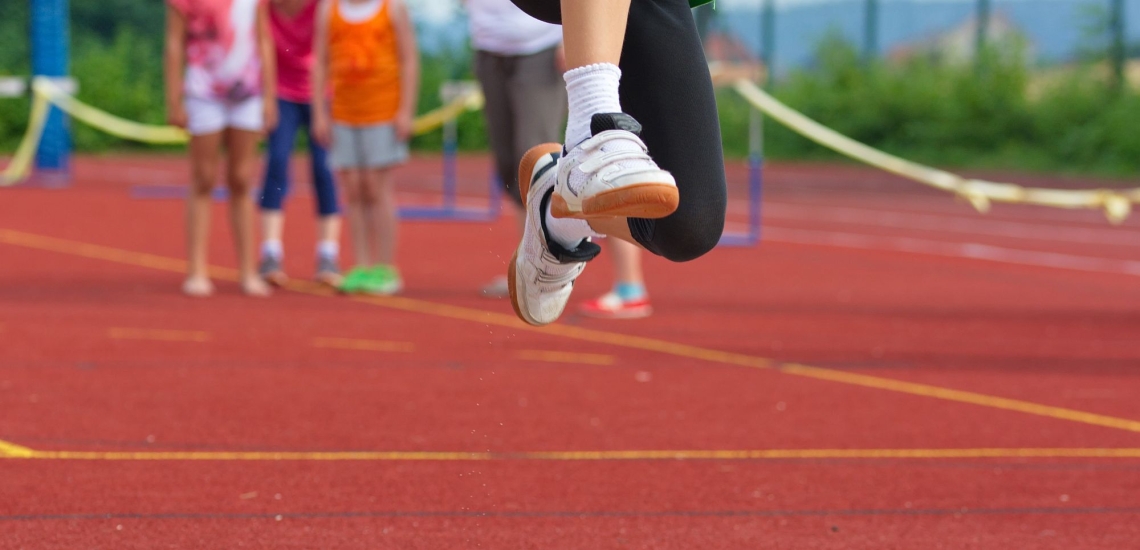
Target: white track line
1107,236
952,250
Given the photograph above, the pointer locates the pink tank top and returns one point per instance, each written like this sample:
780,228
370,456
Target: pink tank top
293,38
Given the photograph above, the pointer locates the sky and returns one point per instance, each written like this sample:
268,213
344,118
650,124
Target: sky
444,10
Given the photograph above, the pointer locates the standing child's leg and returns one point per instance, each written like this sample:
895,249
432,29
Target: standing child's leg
274,190
628,298
328,211
204,160
241,146
355,209
383,227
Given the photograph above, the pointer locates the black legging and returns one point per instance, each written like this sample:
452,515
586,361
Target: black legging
666,86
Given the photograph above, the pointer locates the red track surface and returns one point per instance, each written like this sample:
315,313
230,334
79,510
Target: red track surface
830,350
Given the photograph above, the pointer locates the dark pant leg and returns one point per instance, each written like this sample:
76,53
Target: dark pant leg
666,86
323,185
494,74
276,184
538,102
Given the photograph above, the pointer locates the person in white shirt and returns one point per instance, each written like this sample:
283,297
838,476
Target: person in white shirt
519,64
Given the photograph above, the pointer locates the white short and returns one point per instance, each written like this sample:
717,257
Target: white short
209,116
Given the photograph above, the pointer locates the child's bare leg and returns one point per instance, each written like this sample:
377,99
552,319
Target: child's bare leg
627,263
204,160
354,209
593,31
241,167
384,222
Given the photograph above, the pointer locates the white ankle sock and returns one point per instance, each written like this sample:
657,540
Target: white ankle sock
328,249
591,90
272,248
568,232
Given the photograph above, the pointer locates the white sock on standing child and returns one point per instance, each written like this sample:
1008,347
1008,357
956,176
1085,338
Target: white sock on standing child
272,248
328,249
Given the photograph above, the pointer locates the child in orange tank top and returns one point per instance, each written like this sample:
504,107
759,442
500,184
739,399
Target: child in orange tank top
365,52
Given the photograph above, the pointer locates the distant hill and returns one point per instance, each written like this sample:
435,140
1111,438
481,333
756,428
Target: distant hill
1055,26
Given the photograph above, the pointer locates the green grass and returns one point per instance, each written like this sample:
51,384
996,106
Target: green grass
944,115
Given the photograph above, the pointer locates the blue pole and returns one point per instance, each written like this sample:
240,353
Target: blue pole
50,54
450,171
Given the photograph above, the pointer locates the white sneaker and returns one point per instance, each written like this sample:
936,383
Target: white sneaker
542,272
611,175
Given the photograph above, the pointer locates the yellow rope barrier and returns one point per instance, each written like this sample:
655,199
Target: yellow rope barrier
45,93
1117,204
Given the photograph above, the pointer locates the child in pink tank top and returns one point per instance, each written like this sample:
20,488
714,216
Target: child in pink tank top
293,24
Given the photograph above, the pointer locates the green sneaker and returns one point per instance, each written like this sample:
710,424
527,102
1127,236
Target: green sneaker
383,280
355,280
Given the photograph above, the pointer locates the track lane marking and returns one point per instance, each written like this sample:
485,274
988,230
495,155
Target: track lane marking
583,456
76,248
12,450
952,249
565,357
363,345
160,335
960,396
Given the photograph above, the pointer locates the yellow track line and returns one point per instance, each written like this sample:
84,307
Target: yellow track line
11,450
40,242
587,456
565,357
162,335
362,345
961,396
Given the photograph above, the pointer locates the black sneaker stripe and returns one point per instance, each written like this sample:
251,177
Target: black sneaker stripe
545,169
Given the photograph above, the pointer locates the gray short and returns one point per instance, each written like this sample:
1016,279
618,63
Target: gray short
374,146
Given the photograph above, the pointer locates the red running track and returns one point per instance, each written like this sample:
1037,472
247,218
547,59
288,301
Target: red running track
888,369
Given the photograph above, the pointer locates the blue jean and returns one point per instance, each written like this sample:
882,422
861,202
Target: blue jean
290,117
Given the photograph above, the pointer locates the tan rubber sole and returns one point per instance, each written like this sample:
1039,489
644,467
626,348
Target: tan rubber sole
526,172
644,200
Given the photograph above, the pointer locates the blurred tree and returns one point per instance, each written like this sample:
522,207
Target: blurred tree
104,18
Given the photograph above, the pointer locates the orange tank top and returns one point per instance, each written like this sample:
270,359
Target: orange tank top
364,60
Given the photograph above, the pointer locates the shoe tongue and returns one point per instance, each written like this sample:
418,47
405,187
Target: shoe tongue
614,121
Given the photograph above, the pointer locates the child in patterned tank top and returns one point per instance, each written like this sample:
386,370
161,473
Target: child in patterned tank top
220,87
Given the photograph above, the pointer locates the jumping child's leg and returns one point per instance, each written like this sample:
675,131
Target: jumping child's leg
205,156
609,179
